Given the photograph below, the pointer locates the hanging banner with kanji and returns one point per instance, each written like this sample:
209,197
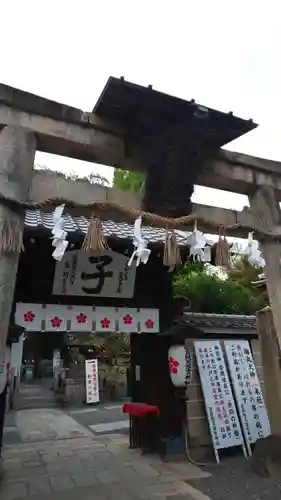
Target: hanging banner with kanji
247,389
92,381
219,403
86,275
54,317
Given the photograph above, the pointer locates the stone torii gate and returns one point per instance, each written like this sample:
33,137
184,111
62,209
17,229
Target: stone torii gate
177,143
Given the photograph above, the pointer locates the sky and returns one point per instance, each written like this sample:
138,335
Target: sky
224,54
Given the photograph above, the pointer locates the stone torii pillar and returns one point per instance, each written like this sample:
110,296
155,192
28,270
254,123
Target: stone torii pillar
266,213
17,151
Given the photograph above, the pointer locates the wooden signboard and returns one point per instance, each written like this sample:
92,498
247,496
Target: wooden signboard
219,403
84,275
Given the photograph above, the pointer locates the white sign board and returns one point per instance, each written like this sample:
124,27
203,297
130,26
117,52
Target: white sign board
92,381
219,403
56,360
3,370
247,389
16,355
81,274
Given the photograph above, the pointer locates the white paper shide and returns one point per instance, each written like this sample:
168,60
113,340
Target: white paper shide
92,381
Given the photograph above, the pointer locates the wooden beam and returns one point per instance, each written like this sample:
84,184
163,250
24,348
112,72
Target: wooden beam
271,367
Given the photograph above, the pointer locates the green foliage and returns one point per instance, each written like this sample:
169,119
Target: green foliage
209,293
129,181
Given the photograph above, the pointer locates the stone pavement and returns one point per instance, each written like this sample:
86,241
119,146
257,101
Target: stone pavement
84,466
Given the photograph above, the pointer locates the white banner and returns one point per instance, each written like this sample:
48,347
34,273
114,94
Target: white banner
250,402
219,403
92,381
84,275
53,317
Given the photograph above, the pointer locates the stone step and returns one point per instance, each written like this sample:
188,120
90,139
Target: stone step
36,404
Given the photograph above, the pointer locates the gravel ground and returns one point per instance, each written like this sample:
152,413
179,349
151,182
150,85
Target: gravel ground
233,479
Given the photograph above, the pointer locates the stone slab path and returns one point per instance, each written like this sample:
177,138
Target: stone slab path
43,425
85,466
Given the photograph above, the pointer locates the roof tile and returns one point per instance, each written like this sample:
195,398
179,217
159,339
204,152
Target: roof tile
37,218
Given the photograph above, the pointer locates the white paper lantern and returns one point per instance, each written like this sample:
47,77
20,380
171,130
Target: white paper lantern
179,359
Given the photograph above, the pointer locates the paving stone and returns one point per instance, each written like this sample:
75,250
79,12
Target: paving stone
54,468
13,491
11,465
82,453
50,458
61,483
13,461
65,452
39,485
178,488
72,464
96,492
117,492
10,478
33,465
85,479
188,470
91,464
145,470
107,477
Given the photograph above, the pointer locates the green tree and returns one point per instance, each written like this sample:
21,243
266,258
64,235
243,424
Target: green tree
129,181
209,293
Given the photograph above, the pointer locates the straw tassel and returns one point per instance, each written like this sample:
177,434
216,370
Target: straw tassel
94,241
171,257
11,231
222,251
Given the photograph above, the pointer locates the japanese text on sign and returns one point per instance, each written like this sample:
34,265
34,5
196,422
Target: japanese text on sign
92,381
247,390
105,276
220,407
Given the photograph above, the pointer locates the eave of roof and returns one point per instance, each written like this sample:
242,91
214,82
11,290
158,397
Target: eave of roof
129,104
36,219
222,321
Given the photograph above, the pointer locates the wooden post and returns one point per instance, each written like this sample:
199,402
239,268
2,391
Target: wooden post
17,150
271,367
265,209
266,213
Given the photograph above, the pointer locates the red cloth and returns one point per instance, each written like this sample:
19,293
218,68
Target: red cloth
140,409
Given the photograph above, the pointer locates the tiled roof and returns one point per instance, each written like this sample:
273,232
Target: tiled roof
233,321
37,218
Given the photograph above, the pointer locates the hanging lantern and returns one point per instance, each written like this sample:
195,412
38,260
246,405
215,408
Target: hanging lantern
180,365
